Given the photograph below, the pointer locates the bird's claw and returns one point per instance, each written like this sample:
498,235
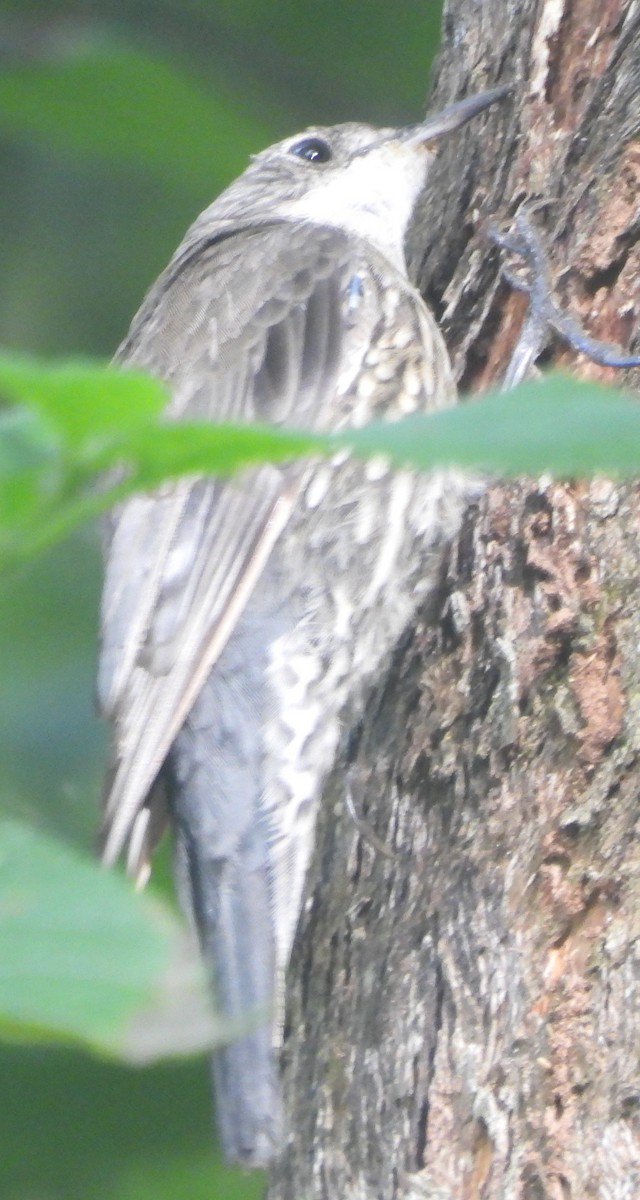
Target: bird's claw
544,315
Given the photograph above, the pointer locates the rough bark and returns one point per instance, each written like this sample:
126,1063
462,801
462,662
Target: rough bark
463,1016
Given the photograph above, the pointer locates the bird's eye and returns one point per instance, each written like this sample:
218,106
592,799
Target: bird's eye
314,149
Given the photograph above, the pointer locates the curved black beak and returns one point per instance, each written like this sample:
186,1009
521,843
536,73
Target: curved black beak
454,115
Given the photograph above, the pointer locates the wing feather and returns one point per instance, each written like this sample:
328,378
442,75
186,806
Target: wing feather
182,562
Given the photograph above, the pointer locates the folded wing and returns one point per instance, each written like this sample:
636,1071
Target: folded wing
182,562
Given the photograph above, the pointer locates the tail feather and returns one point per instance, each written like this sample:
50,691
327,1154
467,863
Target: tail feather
230,903
212,778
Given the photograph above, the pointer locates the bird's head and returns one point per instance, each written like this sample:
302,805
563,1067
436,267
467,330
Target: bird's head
356,177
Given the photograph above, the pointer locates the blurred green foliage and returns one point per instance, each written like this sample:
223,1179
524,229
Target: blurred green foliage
122,119
119,121
84,1129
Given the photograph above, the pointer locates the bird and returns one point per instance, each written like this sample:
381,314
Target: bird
244,620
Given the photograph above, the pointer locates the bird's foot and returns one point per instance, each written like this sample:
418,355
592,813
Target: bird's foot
544,315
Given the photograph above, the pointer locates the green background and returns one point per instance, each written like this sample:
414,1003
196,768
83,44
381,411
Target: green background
119,121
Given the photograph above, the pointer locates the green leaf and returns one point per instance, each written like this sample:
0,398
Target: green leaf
83,958
75,421
25,443
113,102
87,419
187,448
556,424
83,401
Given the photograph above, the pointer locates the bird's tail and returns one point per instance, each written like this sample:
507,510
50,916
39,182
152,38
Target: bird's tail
230,902
214,781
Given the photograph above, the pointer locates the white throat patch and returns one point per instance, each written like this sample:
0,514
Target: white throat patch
372,197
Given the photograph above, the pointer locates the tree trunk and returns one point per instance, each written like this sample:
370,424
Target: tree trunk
463,1017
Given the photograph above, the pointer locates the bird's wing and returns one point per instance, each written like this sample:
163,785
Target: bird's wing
246,327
